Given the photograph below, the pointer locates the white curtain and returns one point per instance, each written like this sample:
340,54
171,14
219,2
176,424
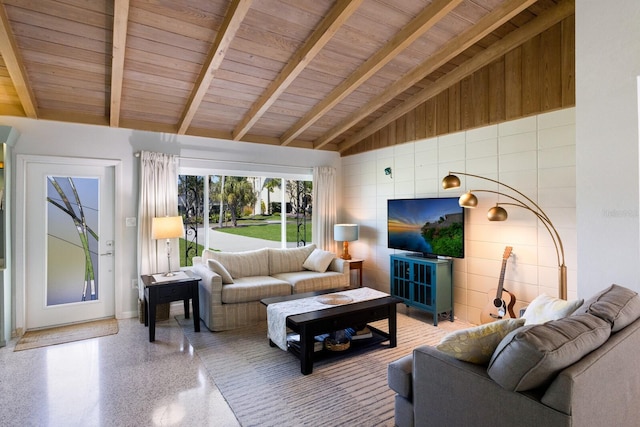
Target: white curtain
158,191
324,207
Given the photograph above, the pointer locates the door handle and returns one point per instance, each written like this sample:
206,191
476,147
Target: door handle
108,253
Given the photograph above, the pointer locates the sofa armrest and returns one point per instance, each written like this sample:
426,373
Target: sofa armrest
400,374
339,265
210,281
447,391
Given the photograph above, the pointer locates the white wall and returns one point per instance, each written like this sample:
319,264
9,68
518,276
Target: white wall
607,70
535,155
39,137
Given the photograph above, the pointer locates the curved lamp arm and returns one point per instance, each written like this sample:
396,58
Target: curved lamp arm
506,186
555,236
452,181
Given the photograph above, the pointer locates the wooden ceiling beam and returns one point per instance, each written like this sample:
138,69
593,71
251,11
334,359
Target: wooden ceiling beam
15,66
235,15
314,44
456,46
431,15
120,22
547,19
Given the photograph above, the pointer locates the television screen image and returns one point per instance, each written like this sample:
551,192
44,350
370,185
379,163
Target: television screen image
430,226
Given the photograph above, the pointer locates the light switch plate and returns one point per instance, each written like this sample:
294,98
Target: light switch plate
130,222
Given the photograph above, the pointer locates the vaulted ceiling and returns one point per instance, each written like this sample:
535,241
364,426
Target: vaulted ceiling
316,74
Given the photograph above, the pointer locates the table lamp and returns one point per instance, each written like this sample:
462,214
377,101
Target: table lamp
345,233
167,227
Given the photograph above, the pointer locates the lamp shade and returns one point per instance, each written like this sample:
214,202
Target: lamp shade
468,200
450,181
167,227
497,213
345,232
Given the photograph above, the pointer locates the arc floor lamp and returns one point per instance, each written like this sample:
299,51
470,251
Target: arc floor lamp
498,213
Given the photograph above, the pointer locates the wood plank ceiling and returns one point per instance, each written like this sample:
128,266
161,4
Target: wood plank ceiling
316,74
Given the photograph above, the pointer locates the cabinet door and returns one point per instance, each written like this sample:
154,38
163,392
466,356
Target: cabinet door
400,278
423,278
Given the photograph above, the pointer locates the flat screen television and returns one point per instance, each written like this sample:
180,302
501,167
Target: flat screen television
431,227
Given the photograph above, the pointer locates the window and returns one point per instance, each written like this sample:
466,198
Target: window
243,213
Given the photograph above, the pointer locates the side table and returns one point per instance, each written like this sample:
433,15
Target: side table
356,264
159,289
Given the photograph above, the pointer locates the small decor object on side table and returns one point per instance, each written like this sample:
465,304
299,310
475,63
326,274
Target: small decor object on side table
159,288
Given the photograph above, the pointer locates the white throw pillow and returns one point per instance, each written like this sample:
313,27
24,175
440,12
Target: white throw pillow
318,260
545,308
217,267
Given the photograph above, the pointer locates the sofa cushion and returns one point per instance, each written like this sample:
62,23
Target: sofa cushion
308,281
544,308
616,304
531,356
399,375
216,267
477,344
242,264
255,288
318,260
289,259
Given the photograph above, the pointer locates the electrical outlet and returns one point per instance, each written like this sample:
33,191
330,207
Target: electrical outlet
134,283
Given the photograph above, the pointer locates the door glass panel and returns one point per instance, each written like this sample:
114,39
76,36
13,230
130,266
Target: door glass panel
72,240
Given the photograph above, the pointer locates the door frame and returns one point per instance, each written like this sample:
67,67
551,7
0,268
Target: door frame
22,162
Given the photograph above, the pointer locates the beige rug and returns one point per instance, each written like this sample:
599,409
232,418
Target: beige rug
264,386
68,333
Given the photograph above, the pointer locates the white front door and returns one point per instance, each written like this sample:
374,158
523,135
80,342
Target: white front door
69,230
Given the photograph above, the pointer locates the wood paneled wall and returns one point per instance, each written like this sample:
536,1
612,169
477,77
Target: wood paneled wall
536,77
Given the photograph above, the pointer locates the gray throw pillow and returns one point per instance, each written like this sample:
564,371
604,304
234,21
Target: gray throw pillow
616,304
532,355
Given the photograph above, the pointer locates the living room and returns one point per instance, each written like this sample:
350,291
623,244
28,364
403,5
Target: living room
598,222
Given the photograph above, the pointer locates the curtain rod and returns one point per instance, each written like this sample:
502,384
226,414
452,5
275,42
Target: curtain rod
308,168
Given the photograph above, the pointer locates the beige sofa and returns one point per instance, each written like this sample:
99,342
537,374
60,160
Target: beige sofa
580,370
233,283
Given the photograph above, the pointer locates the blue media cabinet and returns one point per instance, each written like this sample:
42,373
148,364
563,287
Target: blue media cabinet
424,283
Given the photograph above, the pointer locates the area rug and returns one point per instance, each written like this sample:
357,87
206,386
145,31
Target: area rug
68,333
264,386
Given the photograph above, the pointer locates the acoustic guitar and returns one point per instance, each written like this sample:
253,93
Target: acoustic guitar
501,301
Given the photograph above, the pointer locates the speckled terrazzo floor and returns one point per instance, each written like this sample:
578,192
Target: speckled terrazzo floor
116,380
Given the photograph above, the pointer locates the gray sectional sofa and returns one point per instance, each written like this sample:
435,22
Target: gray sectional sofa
580,370
233,283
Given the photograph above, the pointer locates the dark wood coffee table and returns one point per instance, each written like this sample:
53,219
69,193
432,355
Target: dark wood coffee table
328,320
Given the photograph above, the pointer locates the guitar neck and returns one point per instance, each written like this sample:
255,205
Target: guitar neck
505,257
501,281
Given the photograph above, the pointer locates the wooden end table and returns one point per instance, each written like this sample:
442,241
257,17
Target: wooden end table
183,286
356,264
